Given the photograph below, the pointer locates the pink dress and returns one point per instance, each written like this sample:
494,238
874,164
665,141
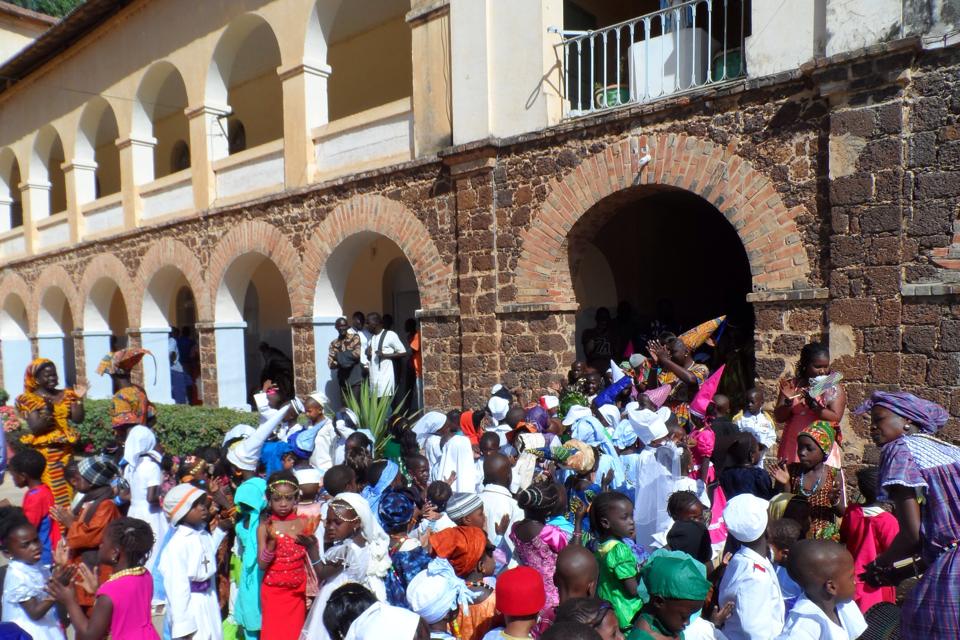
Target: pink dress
800,418
541,554
704,440
131,596
868,533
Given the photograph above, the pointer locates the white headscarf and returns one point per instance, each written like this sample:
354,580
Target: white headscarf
140,439
437,590
427,425
378,542
498,407
246,454
458,456
382,620
611,414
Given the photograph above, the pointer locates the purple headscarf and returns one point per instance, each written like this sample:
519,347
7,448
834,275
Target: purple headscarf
538,415
928,416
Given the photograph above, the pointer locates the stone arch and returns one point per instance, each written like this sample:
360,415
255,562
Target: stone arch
56,277
171,253
13,285
392,220
746,197
255,237
17,324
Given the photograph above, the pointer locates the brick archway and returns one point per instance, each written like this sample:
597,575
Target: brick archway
262,238
746,197
171,253
56,277
392,220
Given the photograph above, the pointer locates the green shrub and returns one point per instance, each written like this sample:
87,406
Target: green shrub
180,428
4,396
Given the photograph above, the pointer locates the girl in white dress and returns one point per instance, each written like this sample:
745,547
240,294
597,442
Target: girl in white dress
144,475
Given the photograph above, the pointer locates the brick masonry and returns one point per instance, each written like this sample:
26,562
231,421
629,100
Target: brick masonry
842,181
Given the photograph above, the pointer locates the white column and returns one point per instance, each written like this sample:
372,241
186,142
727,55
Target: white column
16,354
231,364
52,347
156,370
96,344
141,152
36,196
84,180
6,207
323,334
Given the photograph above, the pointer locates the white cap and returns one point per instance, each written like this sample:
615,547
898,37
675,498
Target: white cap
549,402
574,413
498,407
746,517
649,425
320,398
246,454
238,432
309,475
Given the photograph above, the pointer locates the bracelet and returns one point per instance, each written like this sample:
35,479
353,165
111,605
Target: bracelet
318,561
268,556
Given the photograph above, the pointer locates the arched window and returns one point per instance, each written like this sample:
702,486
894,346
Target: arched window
237,136
179,156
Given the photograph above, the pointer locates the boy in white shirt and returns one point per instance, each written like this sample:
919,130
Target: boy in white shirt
754,420
826,610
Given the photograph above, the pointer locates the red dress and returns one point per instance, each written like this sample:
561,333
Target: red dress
867,535
283,598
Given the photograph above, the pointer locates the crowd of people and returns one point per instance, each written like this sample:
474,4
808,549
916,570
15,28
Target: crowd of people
629,502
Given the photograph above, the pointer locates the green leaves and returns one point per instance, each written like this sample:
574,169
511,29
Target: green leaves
373,413
57,8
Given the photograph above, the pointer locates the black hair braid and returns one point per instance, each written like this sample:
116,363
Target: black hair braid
134,537
680,501
11,518
541,499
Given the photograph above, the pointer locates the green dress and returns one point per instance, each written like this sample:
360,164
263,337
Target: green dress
640,634
618,563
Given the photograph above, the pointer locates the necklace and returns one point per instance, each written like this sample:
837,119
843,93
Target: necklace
132,571
478,584
816,485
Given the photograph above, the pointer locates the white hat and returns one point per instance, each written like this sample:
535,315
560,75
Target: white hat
498,407
246,454
637,360
308,475
238,432
495,388
549,402
381,620
320,398
179,501
615,371
632,405
574,413
649,425
746,517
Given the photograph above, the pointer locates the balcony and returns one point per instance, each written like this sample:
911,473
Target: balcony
251,173
12,244
167,196
683,48
103,215
370,139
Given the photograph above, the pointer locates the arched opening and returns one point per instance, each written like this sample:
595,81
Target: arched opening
366,272
97,144
105,324
243,77
663,259
11,207
168,327
14,343
46,172
159,113
55,334
253,336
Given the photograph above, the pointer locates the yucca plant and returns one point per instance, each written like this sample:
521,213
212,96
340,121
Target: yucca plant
373,413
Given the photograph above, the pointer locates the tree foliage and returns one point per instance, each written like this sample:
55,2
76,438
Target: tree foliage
57,8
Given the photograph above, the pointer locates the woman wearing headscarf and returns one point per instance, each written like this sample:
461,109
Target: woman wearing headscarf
250,501
396,510
144,475
457,458
921,474
47,411
437,595
471,555
130,403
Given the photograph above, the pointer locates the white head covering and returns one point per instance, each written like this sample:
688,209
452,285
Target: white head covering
495,388
574,413
378,542
179,501
624,434
457,456
239,431
637,360
649,425
382,620
549,402
320,398
498,407
140,439
436,591
309,475
427,425
615,371
610,414
746,517
246,454
633,404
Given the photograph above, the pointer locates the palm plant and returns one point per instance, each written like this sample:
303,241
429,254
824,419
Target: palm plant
373,412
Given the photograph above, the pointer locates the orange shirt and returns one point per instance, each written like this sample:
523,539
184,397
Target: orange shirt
417,358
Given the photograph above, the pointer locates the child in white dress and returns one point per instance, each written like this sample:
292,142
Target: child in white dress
144,475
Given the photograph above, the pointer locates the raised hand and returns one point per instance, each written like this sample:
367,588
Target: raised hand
452,478
62,515
606,481
80,390
501,527
64,574
779,473
722,614
87,579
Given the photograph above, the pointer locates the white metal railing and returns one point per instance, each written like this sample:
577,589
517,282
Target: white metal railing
685,46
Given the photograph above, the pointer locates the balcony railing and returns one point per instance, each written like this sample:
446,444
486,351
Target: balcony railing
53,231
168,195
250,173
103,214
12,243
678,49
370,139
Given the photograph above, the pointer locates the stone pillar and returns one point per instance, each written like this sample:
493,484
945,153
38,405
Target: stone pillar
304,108
81,187
231,365
206,339
156,370
305,372
432,87
79,361
35,197
440,346
314,356
96,344
208,142
136,168
16,355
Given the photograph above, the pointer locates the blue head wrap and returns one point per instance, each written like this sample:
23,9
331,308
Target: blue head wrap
396,510
374,494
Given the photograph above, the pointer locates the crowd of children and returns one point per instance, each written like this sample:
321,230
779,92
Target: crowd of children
630,505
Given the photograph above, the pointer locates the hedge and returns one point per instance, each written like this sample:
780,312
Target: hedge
180,428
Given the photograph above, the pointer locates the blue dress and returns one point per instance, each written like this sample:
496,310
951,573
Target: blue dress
931,467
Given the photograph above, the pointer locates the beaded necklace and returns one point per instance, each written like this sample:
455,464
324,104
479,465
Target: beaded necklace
816,485
132,571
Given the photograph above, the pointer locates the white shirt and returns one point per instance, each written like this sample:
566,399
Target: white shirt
286,428
501,430
364,339
807,621
190,556
751,582
24,582
328,447
381,369
760,426
701,629
498,502
433,452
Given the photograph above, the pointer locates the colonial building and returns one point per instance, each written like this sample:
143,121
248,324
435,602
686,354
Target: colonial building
499,169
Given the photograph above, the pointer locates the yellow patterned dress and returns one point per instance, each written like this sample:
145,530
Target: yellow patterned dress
56,445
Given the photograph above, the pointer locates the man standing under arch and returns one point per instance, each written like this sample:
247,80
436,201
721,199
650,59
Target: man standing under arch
383,348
